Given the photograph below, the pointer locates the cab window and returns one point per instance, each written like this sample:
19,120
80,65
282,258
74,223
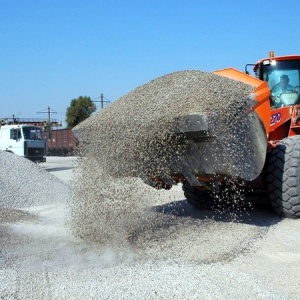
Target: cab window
273,78
15,134
32,133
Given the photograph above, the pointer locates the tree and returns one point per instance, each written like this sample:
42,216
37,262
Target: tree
79,110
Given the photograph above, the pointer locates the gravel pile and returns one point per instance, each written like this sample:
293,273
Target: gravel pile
24,184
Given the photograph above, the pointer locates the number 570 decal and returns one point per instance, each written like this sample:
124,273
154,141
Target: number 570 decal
275,118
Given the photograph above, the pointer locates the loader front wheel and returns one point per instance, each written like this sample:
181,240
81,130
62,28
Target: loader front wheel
198,198
283,177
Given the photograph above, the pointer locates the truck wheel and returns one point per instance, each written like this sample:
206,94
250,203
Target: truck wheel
199,199
283,177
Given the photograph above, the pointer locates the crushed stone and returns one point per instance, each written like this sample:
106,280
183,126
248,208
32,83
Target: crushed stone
132,139
24,183
132,136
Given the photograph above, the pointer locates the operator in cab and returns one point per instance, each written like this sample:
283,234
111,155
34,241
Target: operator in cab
282,87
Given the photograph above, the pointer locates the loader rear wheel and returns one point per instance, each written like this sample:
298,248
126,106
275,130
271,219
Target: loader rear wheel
199,199
283,177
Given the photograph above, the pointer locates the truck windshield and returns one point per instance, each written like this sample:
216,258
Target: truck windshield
32,133
284,81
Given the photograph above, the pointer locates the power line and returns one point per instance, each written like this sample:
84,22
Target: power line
49,112
102,101
100,97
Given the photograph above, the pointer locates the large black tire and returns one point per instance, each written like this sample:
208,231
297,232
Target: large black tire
230,195
199,199
283,177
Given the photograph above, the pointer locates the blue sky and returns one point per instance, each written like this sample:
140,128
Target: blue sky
54,51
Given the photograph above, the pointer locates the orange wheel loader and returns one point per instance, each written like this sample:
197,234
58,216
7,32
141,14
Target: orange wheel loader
226,140
275,139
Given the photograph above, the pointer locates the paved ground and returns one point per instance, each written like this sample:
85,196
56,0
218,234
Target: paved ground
61,167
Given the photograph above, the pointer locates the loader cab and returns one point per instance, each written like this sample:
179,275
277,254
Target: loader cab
283,77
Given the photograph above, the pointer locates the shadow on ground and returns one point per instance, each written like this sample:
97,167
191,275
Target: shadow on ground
254,210
58,169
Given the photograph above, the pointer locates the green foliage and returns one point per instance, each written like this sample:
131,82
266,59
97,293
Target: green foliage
79,110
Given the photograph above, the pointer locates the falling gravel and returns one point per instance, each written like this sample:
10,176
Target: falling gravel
133,136
136,137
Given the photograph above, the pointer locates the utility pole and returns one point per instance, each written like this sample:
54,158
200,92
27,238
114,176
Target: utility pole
102,101
49,112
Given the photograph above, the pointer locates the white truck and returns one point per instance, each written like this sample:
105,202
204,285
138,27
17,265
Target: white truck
24,140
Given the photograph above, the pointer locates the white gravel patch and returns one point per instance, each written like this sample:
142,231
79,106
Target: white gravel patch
190,255
24,183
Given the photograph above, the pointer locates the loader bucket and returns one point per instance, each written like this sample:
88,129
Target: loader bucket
260,94
188,124
217,149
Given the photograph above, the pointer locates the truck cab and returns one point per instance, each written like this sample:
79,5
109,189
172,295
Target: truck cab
24,140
